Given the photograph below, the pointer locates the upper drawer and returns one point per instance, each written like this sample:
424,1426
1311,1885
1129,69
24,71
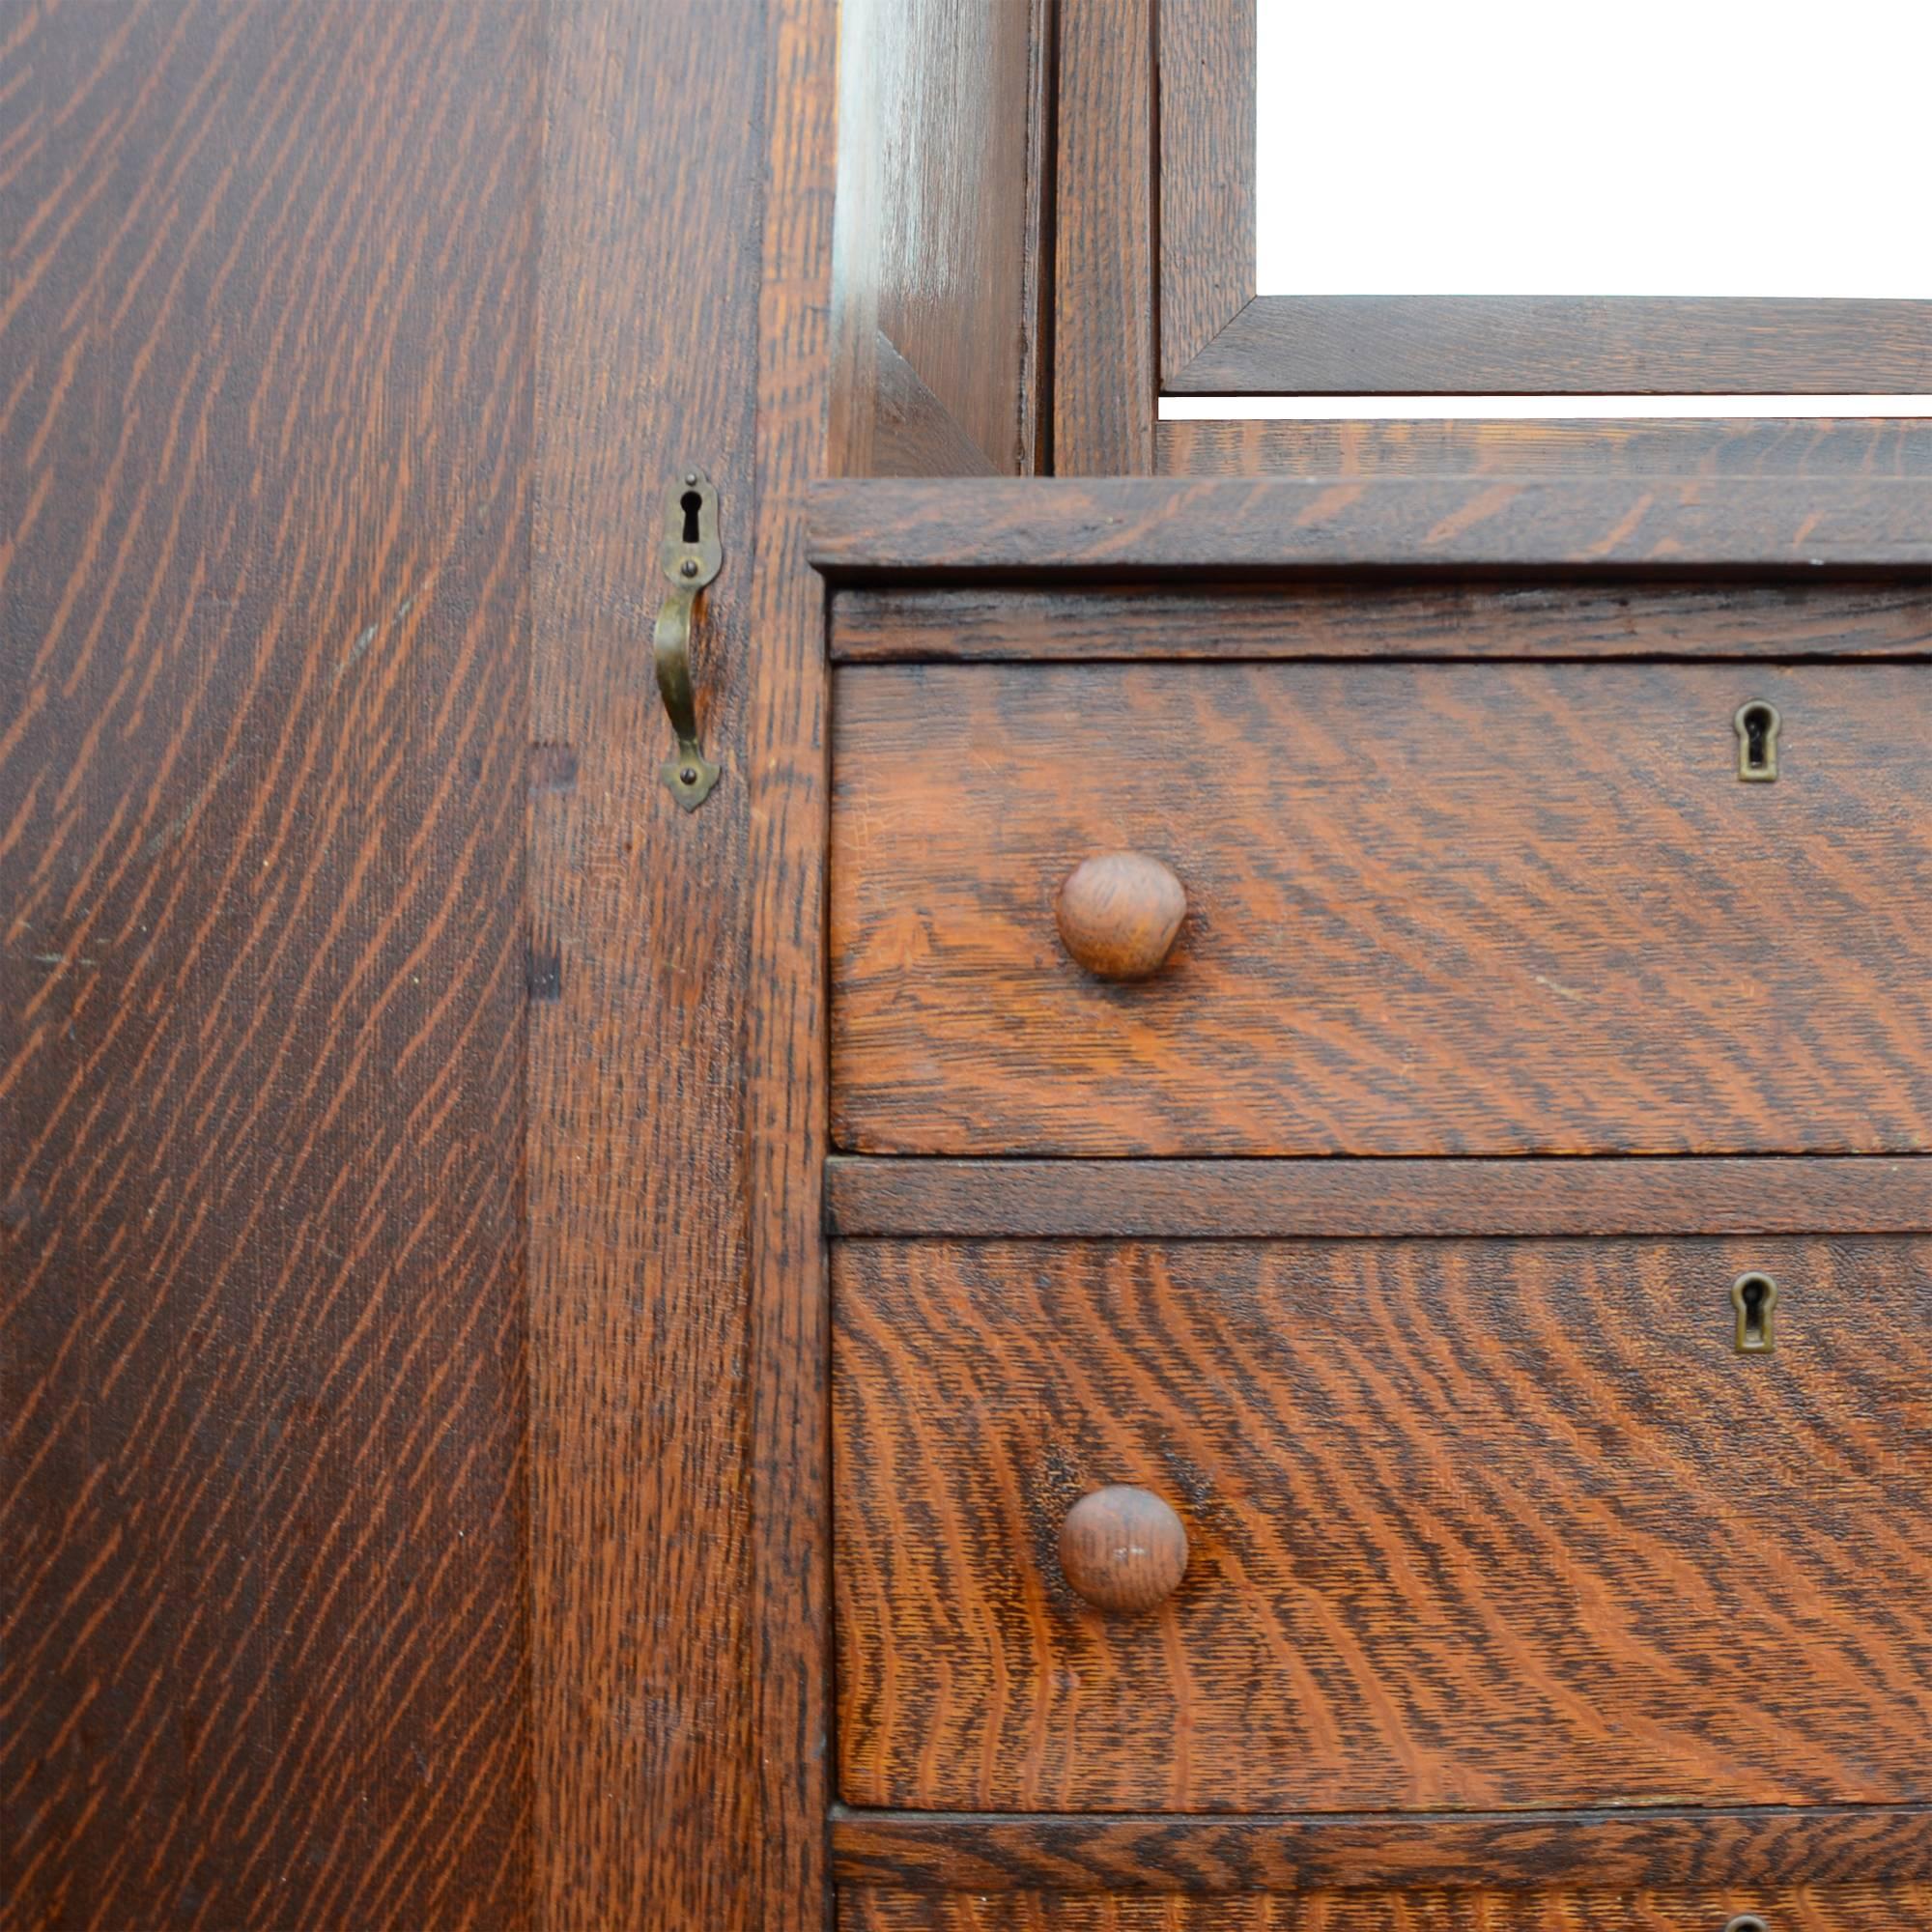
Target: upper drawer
1431,908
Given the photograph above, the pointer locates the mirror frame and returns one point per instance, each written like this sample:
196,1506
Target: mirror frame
1219,336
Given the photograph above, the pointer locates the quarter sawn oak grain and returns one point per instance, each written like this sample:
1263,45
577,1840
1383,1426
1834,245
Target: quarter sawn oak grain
1793,1908
1434,909
1645,1849
1472,1525
266,327
1180,1200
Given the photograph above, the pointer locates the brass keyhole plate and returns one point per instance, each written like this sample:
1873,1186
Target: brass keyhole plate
1757,725
1755,1298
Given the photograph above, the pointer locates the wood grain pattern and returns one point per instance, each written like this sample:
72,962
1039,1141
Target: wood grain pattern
1479,909
1645,1850
266,325
1105,368
1564,345
1193,1199
678,1644
1733,446
1090,529
1349,618
788,1298
1475,1526
1207,174
909,431
310,312
938,291
640,1682
1799,1908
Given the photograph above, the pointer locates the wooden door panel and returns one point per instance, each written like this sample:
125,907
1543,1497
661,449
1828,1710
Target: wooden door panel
268,325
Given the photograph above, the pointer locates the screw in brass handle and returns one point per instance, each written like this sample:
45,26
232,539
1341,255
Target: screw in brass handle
690,557
1118,913
1122,1549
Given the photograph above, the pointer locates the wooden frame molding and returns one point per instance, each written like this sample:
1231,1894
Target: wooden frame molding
1105,378
1219,335
1732,445
1334,619
1205,1855
678,1541
940,287
1135,527
1270,1200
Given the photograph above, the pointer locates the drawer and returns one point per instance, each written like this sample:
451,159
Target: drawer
1431,908
1470,1525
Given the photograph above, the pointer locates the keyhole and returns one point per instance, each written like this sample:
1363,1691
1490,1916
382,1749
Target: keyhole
691,502
1757,726
1748,1921
1754,1296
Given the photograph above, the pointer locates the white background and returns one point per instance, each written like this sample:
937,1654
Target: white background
1577,147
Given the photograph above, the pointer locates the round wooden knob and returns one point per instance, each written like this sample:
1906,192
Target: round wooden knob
1122,1549
1118,913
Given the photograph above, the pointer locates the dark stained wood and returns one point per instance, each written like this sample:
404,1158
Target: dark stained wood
1096,528
1118,913
679,1641
938,293
1735,447
912,432
1105,374
1192,1200
267,334
1563,345
1791,1908
1340,617
1434,909
643,1715
1473,1526
1207,174
1495,1852
781,1058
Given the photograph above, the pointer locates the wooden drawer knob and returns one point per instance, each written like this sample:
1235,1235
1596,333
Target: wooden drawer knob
1122,1549
1118,913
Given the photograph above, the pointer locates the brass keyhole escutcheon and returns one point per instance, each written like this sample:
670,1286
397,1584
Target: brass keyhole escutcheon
1757,725
1748,1921
1755,1298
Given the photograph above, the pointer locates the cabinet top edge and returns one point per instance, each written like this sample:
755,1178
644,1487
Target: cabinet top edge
1061,528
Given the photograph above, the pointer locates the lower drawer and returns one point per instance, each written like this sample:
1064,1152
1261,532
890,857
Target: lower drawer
1471,1525
1792,1908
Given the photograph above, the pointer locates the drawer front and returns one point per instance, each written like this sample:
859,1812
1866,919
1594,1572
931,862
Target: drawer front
1429,908
1783,1908
1470,1525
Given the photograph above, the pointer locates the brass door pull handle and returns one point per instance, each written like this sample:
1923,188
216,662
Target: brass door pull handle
690,557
